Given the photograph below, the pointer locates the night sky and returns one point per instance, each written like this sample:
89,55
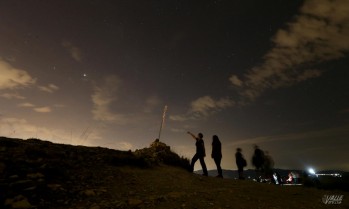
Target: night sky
99,73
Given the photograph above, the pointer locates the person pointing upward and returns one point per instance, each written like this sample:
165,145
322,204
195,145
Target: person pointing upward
200,153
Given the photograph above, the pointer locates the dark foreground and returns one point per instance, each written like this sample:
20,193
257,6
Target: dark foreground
37,174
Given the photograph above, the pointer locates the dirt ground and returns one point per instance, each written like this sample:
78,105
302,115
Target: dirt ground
170,187
36,174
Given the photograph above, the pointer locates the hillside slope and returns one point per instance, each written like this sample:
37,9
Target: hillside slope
39,174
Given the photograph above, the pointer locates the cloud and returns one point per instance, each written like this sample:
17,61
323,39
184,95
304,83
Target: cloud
50,88
235,80
180,118
102,97
12,96
23,129
42,109
74,51
204,107
26,104
12,78
319,33
10,127
45,109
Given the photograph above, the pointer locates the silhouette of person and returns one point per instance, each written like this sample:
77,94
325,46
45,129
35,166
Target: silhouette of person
240,162
217,154
290,178
200,153
268,165
277,178
258,161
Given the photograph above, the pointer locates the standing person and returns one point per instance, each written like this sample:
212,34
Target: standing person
200,153
258,162
217,154
240,162
268,165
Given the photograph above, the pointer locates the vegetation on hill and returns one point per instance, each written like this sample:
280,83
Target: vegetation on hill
160,153
30,169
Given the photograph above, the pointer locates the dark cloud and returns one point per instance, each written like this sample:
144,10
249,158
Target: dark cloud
319,33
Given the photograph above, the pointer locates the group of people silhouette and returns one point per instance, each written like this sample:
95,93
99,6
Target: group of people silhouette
262,162
201,153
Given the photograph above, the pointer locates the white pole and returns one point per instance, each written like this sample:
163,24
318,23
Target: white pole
163,120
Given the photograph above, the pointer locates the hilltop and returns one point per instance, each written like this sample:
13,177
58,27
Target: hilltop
41,174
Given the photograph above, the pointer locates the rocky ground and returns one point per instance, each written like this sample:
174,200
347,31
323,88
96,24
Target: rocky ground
40,174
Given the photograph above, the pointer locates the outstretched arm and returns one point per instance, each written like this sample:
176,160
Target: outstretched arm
191,134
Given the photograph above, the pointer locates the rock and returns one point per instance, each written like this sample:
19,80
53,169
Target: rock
95,206
175,195
41,180
14,177
22,184
102,190
118,204
89,193
18,202
55,187
21,204
35,175
8,201
157,198
30,188
134,202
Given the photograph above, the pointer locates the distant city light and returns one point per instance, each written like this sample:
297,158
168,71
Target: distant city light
311,171
330,174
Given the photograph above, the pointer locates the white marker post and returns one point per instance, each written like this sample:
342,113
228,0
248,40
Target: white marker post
163,120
